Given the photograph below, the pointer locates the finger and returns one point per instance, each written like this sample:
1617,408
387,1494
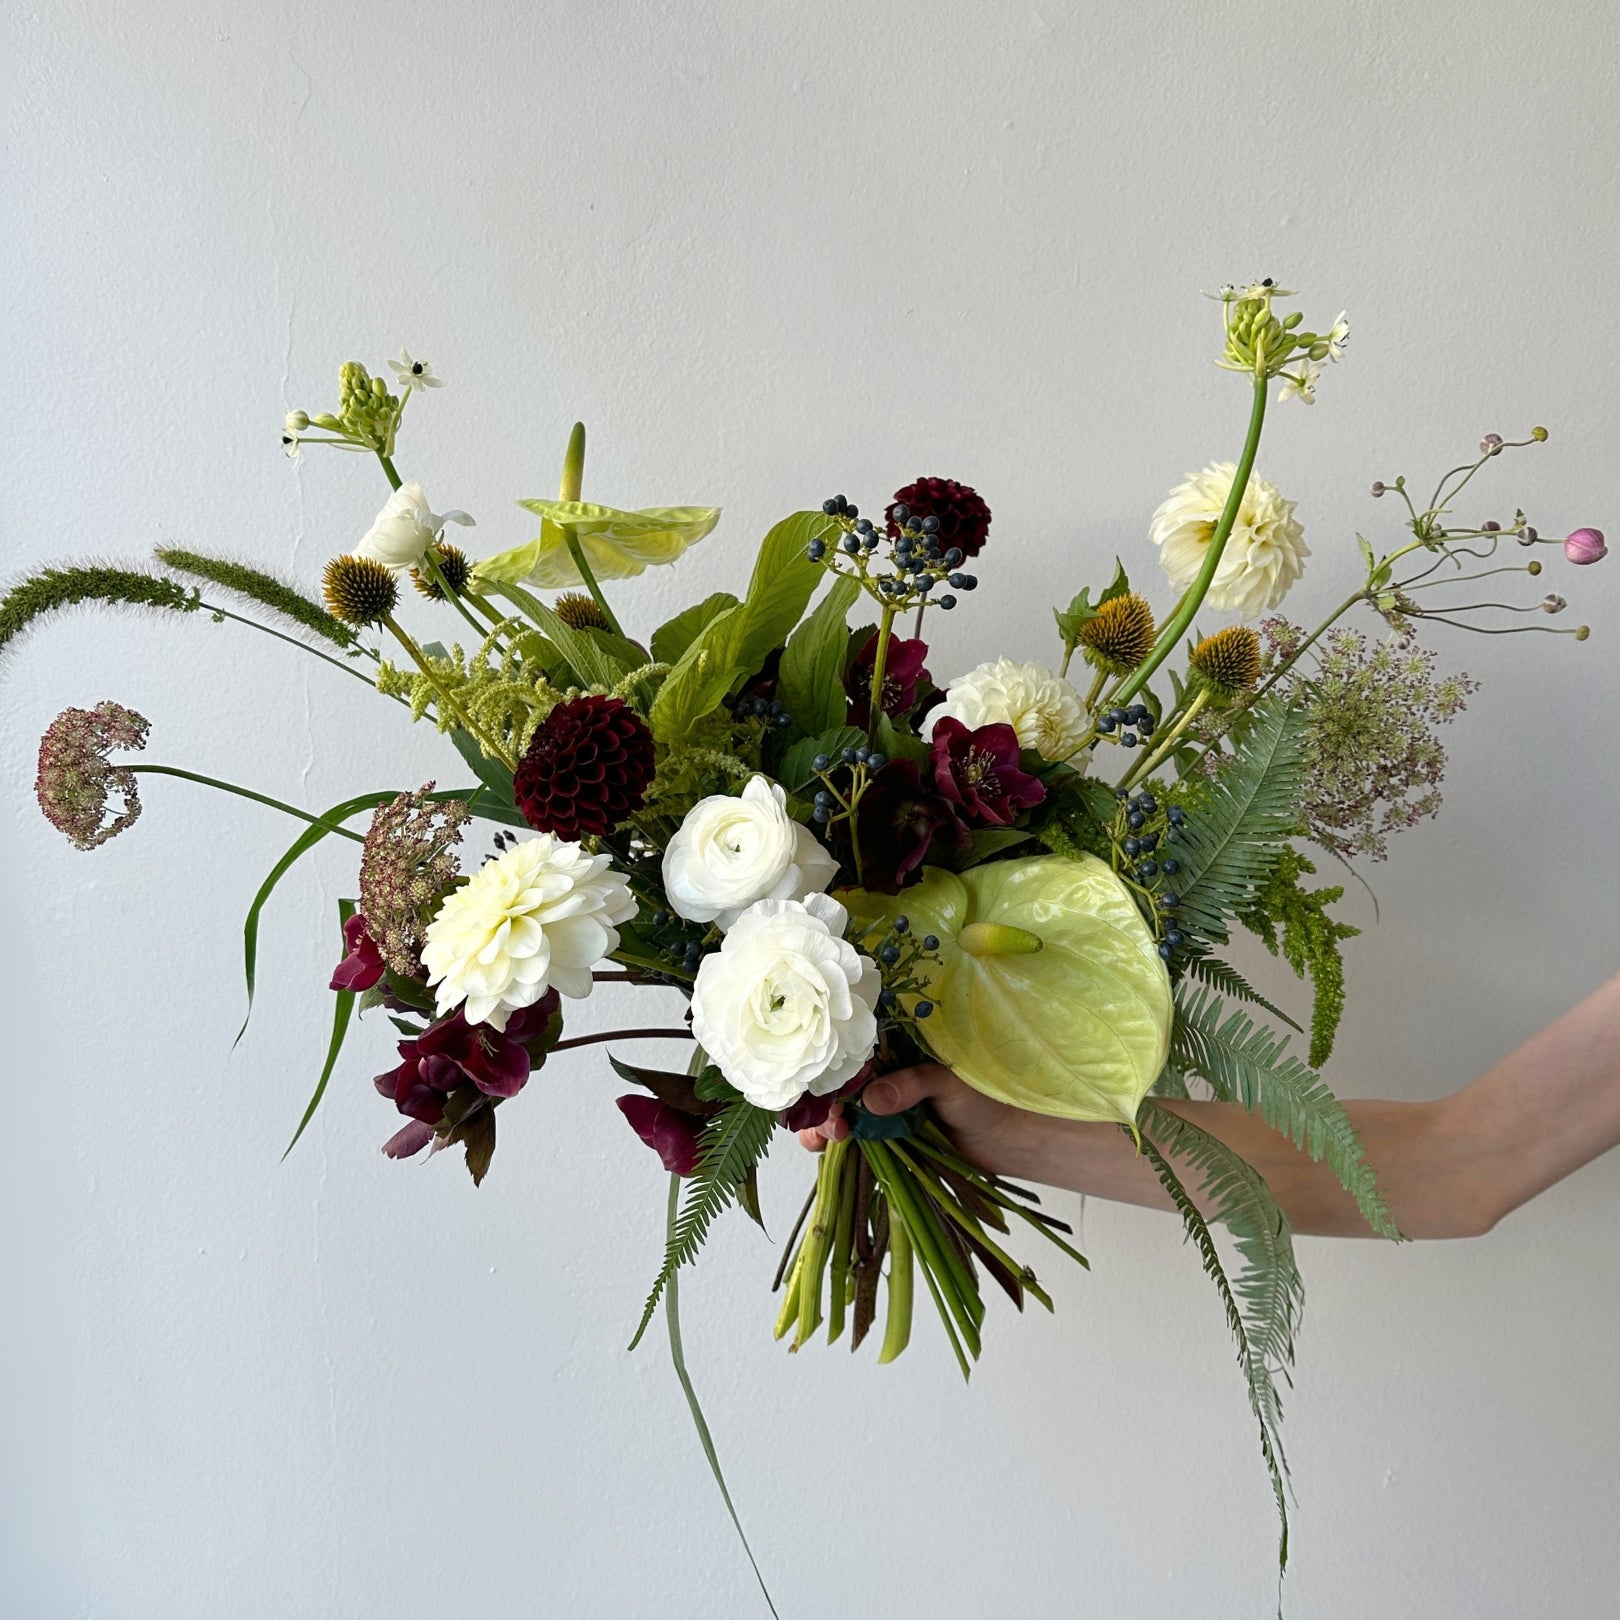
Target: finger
905,1088
812,1139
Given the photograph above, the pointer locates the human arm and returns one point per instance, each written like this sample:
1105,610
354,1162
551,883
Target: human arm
1452,1167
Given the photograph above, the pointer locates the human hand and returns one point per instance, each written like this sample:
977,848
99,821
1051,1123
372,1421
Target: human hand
990,1134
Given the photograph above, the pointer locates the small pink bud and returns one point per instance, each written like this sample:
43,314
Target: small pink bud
1586,546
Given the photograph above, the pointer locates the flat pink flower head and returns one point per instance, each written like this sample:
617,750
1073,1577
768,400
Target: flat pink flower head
76,784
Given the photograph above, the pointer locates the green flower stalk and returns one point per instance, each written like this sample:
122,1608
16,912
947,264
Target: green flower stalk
568,489
258,586
53,589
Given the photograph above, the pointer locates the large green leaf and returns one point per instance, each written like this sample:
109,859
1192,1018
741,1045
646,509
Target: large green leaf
341,1014
1077,1026
811,680
737,641
673,637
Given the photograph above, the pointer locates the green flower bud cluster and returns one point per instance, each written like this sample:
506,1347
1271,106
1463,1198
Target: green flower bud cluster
367,417
1261,343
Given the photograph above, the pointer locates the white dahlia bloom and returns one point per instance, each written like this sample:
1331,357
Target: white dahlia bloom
1041,707
787,1005
540,915
404,529
730,851
1266,551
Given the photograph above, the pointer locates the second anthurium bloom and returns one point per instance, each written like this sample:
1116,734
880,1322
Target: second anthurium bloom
616,545
731,850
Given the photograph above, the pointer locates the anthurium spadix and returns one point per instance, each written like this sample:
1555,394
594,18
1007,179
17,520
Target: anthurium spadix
617,545
1049,993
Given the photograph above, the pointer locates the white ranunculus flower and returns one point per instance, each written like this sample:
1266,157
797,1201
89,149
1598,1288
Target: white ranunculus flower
404,529
730,851
540,915
1041,707
787,1004
1264,555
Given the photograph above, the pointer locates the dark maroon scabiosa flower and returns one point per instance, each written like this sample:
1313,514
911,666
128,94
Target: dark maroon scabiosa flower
978,771
453,1054
586,769
964,519
898,821
364,965
674,1136
903,673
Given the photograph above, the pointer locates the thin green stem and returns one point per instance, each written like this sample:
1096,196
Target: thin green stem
292,641
1150,762
248,793
388,469
880,660
897,1324
1193,599
447,703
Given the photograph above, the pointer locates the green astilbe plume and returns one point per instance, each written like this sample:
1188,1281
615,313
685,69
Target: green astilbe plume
1251,1067
1264,1302
53,589
258,586
1309,941
734,1141
507,698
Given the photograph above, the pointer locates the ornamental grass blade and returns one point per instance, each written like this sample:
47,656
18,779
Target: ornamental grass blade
341,1014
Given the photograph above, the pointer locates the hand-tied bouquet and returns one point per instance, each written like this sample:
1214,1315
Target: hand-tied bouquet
845,866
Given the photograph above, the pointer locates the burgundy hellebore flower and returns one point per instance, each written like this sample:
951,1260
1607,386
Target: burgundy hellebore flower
453,1053
674,1136
1586,546
903,672
897,821
978,772
363,966
810,1111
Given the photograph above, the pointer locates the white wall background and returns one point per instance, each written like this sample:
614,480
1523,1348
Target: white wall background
765,252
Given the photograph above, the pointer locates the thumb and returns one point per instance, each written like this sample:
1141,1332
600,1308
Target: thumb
903,1089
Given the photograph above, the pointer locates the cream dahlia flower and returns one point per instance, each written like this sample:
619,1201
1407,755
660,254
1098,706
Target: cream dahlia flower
539,916
787,1005
1266,551
1041,707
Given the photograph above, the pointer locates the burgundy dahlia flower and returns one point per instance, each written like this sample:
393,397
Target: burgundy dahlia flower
586,769
903,673
964,519
978,771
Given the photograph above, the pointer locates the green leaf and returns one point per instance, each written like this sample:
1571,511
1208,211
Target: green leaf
900,742
677,1354
1082,608
811,680
672,638
1222,976
984,842
592,663
341,1014
496,778
1234,833
1263,1306
796,773
1251,1067
733,1141
737,641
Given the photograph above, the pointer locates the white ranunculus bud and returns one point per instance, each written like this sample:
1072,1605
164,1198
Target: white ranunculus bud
404,529
1041,707
787,1005
1264,555
542,914
730,851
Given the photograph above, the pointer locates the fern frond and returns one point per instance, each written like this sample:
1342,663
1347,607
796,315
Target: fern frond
1263,1305
1249,812
53,589
734,1140
1250,1066
258,586
1222,976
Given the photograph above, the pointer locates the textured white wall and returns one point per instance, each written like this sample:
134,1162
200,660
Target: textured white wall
765,252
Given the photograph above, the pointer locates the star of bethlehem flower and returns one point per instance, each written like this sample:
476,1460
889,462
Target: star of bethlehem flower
1336,336
787,1005
617,545
1264,555
403,530
1041,707
730,851
539,916
1301,383
414,373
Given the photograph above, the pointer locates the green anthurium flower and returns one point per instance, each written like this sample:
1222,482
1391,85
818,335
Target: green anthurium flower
1049,993
617,545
